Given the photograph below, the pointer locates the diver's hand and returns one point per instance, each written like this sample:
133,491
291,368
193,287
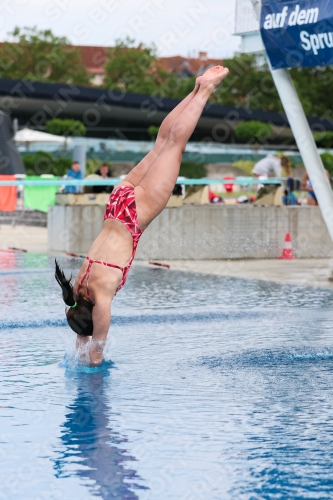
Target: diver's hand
101,315
96,349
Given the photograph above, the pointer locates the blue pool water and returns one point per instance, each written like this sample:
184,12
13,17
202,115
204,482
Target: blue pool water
213,388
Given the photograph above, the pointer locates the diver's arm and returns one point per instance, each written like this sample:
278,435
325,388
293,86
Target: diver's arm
101,314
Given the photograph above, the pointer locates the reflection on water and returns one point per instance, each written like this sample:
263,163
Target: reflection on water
98,453
8,259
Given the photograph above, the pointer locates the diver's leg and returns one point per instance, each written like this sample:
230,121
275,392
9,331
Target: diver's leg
156,187
137,174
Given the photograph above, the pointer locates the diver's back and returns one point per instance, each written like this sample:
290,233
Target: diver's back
113,245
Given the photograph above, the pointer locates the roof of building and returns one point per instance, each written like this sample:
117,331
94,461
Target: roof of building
93,57
94,60
193,65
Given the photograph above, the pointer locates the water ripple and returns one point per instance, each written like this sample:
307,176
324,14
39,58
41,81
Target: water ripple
266,358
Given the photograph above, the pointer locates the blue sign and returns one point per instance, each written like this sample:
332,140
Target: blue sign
297,32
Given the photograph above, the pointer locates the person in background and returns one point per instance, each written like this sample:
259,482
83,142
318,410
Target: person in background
214,198
307,186
289,198
271,164
105,172
292,184
74,173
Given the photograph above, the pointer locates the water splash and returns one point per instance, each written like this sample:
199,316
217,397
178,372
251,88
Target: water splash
74,365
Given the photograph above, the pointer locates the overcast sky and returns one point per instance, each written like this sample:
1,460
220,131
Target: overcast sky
175,26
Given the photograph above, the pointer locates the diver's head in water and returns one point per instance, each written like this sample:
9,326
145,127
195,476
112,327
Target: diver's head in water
79,312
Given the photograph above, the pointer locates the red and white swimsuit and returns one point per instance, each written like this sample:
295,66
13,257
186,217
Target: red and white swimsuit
121,206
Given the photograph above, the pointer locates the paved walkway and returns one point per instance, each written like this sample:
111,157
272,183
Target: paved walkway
306,272
33,239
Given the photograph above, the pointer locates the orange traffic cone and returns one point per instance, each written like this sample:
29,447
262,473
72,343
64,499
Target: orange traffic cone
287,252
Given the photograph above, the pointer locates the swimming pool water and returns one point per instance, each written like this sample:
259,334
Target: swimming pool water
212,388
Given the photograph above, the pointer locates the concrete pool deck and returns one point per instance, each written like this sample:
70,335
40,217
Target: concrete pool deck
30,238
305,272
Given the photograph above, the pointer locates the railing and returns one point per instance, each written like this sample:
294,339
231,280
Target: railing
243,181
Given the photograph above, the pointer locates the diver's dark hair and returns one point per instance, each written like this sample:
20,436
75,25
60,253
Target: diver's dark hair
79,314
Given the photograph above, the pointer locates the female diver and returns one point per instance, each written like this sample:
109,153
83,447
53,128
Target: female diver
133,204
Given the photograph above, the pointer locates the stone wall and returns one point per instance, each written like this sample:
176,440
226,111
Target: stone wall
202,232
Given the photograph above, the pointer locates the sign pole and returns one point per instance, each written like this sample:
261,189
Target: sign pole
303,137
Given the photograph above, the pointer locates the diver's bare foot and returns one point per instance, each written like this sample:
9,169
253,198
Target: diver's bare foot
212,77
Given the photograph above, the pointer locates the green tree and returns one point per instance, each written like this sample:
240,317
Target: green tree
253,131
41,56
175,87
324,139
192,170
45,163
67,127
248,85
132,67
153,131
327,160
314,89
